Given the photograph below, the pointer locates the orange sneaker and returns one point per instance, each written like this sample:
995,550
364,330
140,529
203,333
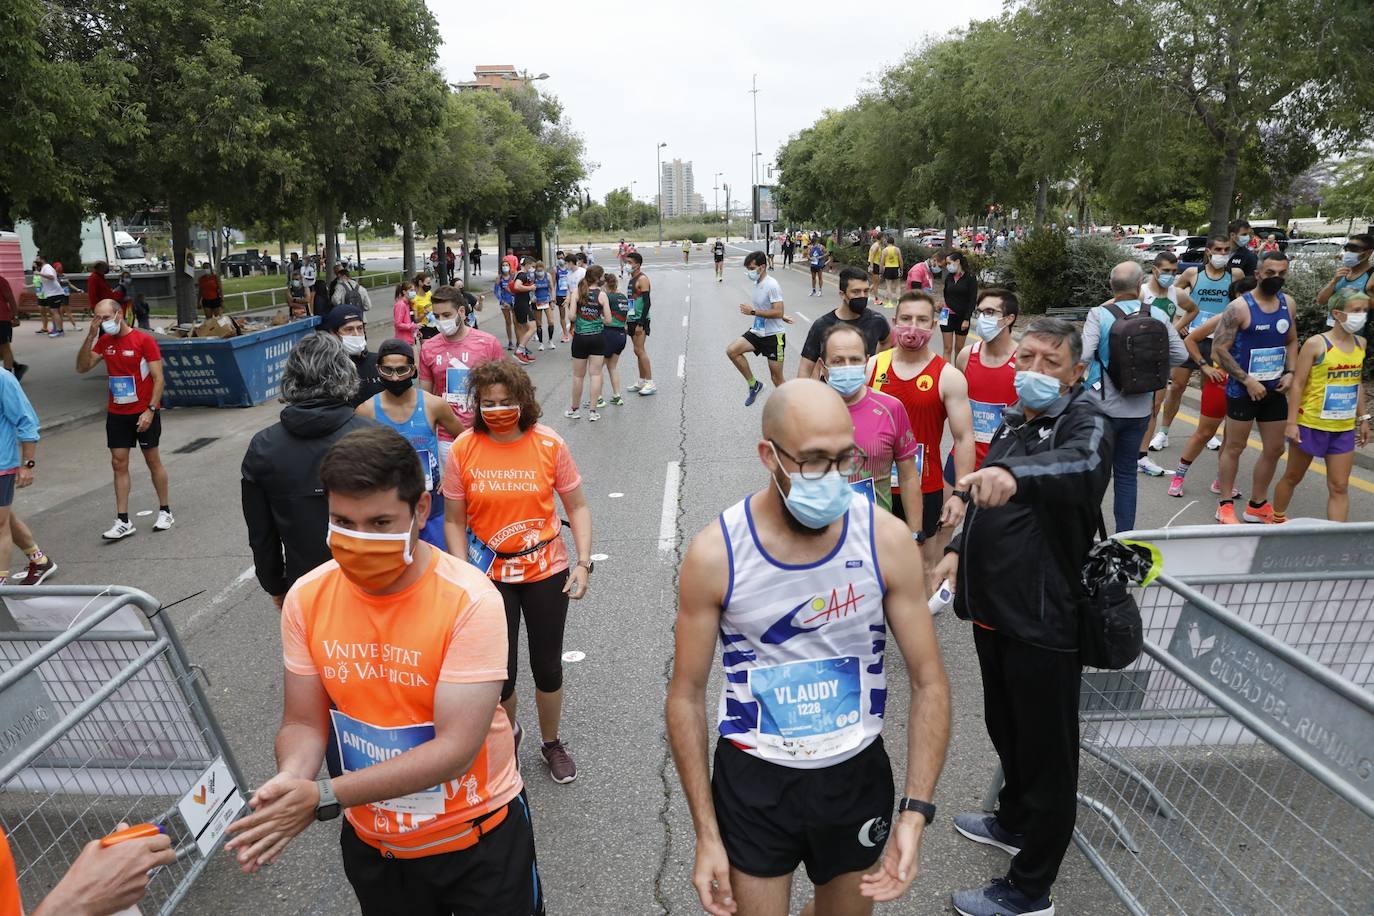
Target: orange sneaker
1226,514
1263,515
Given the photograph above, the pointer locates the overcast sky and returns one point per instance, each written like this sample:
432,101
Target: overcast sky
637,73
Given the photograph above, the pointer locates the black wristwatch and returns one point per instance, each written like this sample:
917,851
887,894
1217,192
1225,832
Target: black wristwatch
30,464
965,495
924,808
328,807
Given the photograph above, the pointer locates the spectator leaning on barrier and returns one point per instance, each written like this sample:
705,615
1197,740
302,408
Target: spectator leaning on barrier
1049,460
283,505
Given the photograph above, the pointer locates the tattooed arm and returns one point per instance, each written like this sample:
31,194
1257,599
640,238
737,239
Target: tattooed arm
1234,318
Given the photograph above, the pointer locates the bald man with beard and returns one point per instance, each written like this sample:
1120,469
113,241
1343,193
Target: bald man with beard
801,580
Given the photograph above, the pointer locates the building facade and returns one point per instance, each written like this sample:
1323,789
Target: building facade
677,190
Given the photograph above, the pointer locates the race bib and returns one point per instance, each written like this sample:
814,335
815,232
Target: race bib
632,312
1266,363
986,419
428,467
865,487
456,386
1340,402
479,554
123,390
944,314
808,709
759,326
362,744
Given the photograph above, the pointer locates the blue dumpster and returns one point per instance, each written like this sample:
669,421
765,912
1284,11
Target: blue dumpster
232,372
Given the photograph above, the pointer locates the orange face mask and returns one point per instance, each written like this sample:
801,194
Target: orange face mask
370,560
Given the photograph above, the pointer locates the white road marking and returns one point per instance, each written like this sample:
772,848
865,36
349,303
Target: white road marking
598,557
667,522
802,317
574,656
681,365
616,495
222,597
684,321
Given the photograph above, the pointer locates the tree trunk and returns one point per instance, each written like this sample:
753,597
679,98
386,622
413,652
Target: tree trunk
467,247
440,263
307,243
1042,203
1283,215
950,221
1224,187
331,242
183,286
281,254
408,244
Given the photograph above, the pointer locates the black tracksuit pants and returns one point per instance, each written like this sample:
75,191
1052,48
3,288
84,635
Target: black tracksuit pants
1030,704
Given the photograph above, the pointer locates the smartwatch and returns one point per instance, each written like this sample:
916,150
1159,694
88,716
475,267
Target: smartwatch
918,536
965,495
924,808
328,807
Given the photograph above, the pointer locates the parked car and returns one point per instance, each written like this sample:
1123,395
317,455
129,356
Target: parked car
1330,247
1280,235
1143,241
1190,243
245,263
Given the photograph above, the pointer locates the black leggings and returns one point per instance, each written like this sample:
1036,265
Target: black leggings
546,611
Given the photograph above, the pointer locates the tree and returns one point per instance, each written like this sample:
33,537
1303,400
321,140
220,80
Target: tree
1352,197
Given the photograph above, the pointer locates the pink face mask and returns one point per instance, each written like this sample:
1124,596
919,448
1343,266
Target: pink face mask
910,337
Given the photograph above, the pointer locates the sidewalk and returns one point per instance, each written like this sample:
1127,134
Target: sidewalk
63,397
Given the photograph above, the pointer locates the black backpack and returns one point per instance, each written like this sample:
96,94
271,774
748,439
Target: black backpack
1137,350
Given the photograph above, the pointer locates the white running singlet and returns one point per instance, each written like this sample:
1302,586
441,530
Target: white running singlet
802,646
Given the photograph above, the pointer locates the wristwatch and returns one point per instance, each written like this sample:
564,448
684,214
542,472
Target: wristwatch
30,464
590,565
924,808
965,495
918,536
328,807
1361,419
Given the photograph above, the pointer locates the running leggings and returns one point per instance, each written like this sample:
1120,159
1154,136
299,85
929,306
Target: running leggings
546,611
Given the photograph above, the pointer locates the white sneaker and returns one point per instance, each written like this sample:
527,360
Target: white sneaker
593,416
541,347
1160,442
637,385
1147,466
573,414
120,529
1214,443
552,345
649,388
164,521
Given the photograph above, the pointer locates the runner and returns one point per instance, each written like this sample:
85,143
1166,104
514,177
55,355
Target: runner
52,297
420,305
916,375
18,448
1159,291
1257,344
881,428
989,367
718,256
447,358
211,293
1326,414
476,258
415,414
875,272
512,534
766,337
801,773
511,261
133,411
923,273
892,270
613,337
403,326
1242,257
853,310
436,810
543,301
686,250
620,254
506,299
817,257
589,343
346,323
637,323
960,296
1209,289
1356,271
562,275
522,309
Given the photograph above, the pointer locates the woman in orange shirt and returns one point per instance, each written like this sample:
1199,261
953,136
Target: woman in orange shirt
499,489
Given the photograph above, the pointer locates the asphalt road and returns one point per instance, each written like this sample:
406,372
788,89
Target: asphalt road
618,840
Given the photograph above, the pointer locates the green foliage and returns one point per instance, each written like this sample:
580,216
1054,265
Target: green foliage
1037,267
1353,195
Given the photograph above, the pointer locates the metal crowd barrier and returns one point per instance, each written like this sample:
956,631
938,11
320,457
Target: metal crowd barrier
102,720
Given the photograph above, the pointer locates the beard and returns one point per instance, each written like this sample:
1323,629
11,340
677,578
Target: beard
793,525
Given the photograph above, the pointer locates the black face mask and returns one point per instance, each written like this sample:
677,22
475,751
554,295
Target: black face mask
397,386
1271,285
857,306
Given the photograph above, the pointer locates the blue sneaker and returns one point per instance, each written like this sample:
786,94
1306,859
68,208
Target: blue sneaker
1000,898
983,828
754,390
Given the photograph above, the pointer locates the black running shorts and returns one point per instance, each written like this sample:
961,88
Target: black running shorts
770,347
834,819
121,431
585,345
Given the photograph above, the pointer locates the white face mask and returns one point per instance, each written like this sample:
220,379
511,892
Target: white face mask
447,326
1354,322
354,345
1219,260
110,326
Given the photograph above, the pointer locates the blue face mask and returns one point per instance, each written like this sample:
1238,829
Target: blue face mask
816,503
1036,390
1350,258
846,379
989,327
1166,281
753,274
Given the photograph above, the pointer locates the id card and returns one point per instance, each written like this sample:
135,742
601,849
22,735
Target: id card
479,554
123,390
1266,363
428,467
361,744
808,709
456,386
1340,402
944,314
986,419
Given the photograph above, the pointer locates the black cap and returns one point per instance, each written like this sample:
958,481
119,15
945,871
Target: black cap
396,347
341,315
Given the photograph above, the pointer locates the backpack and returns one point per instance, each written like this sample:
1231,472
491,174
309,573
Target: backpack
353,295
1137,351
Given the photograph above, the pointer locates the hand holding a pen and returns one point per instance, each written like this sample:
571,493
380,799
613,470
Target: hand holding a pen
111,874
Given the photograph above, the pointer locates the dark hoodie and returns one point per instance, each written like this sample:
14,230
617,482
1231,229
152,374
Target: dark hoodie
283,502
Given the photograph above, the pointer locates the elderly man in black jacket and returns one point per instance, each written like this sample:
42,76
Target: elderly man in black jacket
1035,506
283,502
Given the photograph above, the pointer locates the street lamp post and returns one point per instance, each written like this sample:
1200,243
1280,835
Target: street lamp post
658,155
715,204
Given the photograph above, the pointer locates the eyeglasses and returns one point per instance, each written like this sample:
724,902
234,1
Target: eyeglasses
988,313
394,371
848,463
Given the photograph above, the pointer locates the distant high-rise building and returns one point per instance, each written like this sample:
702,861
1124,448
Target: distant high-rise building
676,189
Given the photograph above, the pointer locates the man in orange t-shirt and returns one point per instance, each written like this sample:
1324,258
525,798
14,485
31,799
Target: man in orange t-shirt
395,655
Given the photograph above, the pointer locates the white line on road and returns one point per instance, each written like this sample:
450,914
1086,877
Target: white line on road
802,317
667,522
681,365
221,597
684,321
